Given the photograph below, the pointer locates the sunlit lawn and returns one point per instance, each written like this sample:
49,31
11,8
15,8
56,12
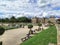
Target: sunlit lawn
43,38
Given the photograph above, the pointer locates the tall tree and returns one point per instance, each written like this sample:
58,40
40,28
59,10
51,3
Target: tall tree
12,19
23,19
6,20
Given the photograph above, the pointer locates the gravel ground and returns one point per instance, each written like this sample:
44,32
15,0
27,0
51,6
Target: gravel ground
13,37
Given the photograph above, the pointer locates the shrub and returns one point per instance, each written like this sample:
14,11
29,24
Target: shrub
0,43
2,30
39,24
20,25
30,26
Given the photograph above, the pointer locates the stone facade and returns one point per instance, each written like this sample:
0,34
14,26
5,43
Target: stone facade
52,19
36,20
43,20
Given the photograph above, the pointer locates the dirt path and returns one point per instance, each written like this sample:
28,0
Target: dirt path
58,33
13,37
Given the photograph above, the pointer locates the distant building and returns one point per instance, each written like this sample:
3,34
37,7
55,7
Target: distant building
43,20
36,20
52,19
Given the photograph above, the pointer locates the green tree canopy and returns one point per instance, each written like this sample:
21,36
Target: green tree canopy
30,26
23,19
12,19
39,24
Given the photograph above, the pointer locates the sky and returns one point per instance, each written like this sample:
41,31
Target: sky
29,8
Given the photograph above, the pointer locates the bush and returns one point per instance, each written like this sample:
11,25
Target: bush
0,43
2,30
39,24
20,25
30,26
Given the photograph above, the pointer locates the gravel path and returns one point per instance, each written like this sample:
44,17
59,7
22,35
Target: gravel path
58,33
13,37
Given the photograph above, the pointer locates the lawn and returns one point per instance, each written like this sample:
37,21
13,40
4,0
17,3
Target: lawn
43,38
11,26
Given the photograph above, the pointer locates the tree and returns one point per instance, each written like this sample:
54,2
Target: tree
39,24
2,30
30,27
44,20
2,20
12,19
23,19
6,20
49,22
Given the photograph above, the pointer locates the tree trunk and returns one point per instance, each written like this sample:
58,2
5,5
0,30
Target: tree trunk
31,32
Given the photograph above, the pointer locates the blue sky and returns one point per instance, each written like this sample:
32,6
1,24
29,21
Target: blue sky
28,8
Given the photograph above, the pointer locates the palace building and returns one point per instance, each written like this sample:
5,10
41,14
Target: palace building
43,20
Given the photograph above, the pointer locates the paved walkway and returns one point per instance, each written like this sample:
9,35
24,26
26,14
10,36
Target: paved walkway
58,33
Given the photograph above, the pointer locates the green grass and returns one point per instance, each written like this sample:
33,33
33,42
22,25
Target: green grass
8,28
43,38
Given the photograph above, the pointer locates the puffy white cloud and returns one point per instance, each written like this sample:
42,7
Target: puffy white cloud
29,7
